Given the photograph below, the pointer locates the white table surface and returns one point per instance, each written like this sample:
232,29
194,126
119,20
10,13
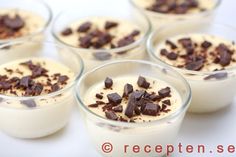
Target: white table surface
210,129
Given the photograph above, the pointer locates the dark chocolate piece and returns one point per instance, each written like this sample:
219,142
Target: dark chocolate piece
118,108
14,23
111,115
110,24
99,96
129,111
67,31
166,102
114,98
108,82
195,65
165,92
206,44
172,56
142,82
171,44
84,27
151,109
128,89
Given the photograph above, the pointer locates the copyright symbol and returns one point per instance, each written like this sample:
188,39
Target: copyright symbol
107,147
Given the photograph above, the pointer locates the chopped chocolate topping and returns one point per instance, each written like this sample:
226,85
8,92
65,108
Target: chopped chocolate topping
84,27
125,41
173,7
166,102
195,65
186,42
150,109
111,115
142,82
110,24
29,103
93,105
114,98
135,33
55,87
63,79
85,41
102,56
225,58
25,81
129,111
67,31
14,23
99,96
206,44
164,52
172,56
172,45
128,89
108,82
165,92
118,108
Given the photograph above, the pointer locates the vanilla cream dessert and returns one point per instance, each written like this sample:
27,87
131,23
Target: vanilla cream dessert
162,12
137,100
15,23
26,109
97,38
211,57
149,92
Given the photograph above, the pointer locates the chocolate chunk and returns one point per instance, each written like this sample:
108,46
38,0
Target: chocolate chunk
206,44
165,92
166,102
102,56
118,108
29,103
15,23
155,97
151,109
108,82
93,105
217,76
195,65
67,31
37,89
164,52
142,82
110,24
129,111
172,45
25,81
128,89
99,96
135,33
225,58
114,98
186,42
63,79
111,115
172,56
85,41
103,39
125,41
138,95
84,27
38,71
55,87
5,86
137,110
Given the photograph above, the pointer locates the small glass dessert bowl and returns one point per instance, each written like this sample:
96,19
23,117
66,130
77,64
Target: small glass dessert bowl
19,20
101,34
142,104
205,54
36,87
167,12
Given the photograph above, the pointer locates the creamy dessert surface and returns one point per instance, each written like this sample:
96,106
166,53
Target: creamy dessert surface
144,99
176,6
112,31
33,77
16,23
197,52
